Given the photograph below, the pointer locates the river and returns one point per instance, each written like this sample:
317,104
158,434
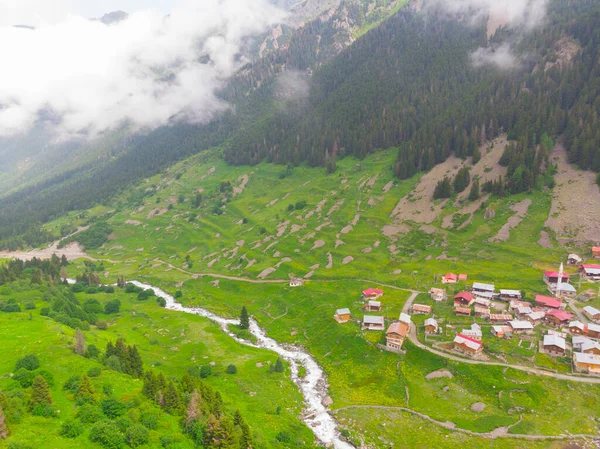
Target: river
313,385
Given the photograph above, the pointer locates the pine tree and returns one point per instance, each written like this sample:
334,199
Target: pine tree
244,319
278,367
86,389
461,180
245,434
3,428
40,393
136,365
193,410
172,400
79,342
150,385
218,405
474,194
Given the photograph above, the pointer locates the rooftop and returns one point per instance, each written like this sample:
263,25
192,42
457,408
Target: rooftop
482,286
520,325
370,319
342,312
591,310
581,357
468,341
554,340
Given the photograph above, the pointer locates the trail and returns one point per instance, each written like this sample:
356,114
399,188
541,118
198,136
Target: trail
500,432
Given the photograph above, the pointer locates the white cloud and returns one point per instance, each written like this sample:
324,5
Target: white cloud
500,57
97,77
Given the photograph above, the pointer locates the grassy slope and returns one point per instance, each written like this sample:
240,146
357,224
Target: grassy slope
358,372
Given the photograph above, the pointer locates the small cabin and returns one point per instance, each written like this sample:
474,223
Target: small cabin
551,277
559,317
431,326
342,315
510,295
564,291
467,345
514,305
593,330
474,332
438,294
592,313
573,259
373,306
590,347
520,326
596,252
578,341
535,318
500,317
523,311
554,345
482,312
586,362
462,277
421,309
590,272
397,332
577,328
548,302
373,323
296,282
501,331
462,311
449,278
372,293
463,299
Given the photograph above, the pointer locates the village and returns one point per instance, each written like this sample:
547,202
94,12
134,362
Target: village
479,321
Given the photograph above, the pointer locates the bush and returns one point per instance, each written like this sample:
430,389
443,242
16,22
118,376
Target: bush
113,408
93,306
102,325
29,305
137,435
94,372
24,377
300,205
45,311
108,389
113,306
149,420
205,371
107,434
114,363
109,289
15,445
72,384
92,352
91,290
231,369
10,308
43,410
29,362
71,429
47,375
89,414
162,302
283,437
123,423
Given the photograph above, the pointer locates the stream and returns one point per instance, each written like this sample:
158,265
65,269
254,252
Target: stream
313,385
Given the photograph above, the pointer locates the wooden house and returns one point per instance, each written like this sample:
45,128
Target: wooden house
397,332
372,293
421,309
482,312
514,305
554,345
501,331
463,299
590,272
592,313
372,306
522,312
500,317
559,317
573,259
586,362
590,347
520,326
578,341
462,311
431,326
296,282
593,330
449,278
373,323
462,277
467,345
510,295
596,252
484,291
551,277
535,318
342,315
438,294
548,302
577,328
474,332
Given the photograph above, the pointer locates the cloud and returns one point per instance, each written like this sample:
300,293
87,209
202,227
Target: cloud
144,71
500,57
292,85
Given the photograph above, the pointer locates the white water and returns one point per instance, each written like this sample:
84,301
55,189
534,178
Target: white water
313,385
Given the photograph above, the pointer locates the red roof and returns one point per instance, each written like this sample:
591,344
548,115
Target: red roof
554,274
590,265
596,249
470,339
372,291
462,277
548,301
562,315
450,276
464,295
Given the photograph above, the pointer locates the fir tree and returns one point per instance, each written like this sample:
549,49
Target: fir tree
244,319
443,189
150,385
461,180
172,400
218,405
85,391
79,342
136,365
193,410
40,393
3,428
278,367
474,194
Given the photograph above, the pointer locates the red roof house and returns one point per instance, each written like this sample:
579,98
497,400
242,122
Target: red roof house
548,301
595,251
551,277
559,317
372,293
462,277
463,299
467,345
449,278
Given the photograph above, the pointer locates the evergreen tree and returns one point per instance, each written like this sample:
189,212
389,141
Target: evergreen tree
218,405
79,342
40,393
150,387
172,399
476,155
278,367
244,319
474,194
461,180
85,392
220,433
443,189
136,365
193,410
3,427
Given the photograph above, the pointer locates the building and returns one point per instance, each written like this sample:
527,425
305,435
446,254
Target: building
519,326
296,282
593,330
431,326
523,311
483,302
578,341
373,323
554,345
463,299
342,315
397,332
595,252
482,312
449,278
549,302
509,295
592,313
535,318
591,272
421,309
586,362
474,332
462,311
484,291
590,347
514,305
467,345
501,331
559,317
462,277
372,306
565,290
500,317
577,327
551,277
573,259
372,293
438,294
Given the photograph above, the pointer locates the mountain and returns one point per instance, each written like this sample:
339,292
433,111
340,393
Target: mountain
113,17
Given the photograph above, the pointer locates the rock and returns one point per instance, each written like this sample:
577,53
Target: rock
489,213
478,407
259,365
446,388
212,363
327,401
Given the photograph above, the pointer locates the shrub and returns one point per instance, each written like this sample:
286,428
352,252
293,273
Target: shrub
109,289
47,375
137,435
29,362
102,325
113,408
162,302
93,306
107,434
205,371
29,305
108,389
92,352
72,383
300,205
15,445
114,363
71,429
89,414
149,420
43,410
178,294
91,290
24,377
94,372
123,423
113,306
283,437
231,369
45,311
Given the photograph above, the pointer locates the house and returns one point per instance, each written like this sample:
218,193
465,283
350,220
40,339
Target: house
482,302
482,312
551,277
591,272
592,313
535,318
342,315
449,278
593,330
438,294
501,331
421,309
586,362
463,299
462,311
522,311
590,347
549,302
484,291
564,290
474,332
559,317
296,282
372,293
467,345
500,317
462,277
509,295
554,345
519,326
373,323
514,305
595,251
372,306
557,333
578,341
431,326
577,327
573,259
397,332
